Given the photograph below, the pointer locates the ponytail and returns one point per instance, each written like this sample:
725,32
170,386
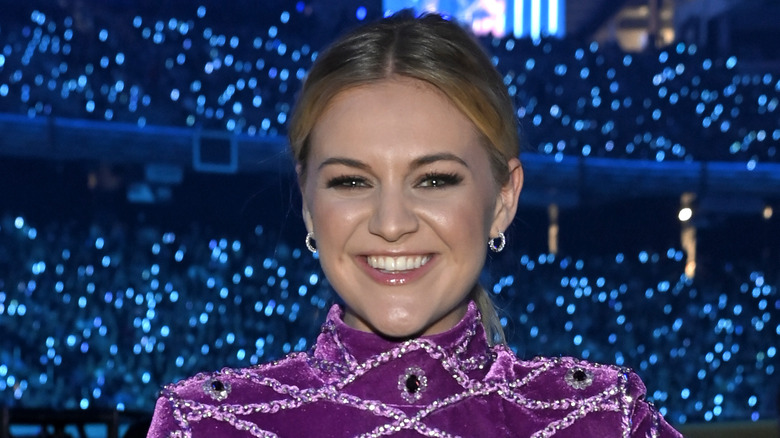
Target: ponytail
490,321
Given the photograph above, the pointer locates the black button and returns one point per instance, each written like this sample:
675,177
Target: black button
218,386
412,384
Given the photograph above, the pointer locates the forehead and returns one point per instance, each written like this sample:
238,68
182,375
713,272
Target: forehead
396,115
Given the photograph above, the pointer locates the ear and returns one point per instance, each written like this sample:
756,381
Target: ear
304,204
506,203
307,218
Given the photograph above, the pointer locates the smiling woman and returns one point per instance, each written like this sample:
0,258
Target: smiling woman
400,197
406,148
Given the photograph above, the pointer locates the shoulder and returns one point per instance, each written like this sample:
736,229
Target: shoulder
557,382
564,375
566,383
210,391
227,382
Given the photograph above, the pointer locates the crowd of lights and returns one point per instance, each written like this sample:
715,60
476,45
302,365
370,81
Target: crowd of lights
194,68
96,317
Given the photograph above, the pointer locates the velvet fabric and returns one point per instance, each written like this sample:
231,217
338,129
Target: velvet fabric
453,384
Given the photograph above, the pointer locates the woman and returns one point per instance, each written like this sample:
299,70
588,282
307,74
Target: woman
406,142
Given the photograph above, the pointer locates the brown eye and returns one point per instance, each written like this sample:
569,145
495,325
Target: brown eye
347,182
440,180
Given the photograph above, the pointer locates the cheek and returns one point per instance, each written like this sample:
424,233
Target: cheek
459,219
335,219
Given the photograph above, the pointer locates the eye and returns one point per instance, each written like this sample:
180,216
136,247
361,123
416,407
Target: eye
440,180
347,182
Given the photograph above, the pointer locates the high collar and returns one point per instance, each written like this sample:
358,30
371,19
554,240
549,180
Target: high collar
343,344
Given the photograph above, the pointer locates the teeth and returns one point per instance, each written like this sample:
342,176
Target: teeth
394,264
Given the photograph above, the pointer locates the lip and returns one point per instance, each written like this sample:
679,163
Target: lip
397,278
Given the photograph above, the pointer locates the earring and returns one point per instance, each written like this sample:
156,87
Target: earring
311,244
497,247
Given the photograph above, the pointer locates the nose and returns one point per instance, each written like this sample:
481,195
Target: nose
393,216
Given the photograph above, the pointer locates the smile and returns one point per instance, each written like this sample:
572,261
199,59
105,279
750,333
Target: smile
397,264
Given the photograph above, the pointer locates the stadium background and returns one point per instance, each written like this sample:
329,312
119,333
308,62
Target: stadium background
150,225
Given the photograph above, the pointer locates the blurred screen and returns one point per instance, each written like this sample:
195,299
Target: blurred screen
486,17
521,18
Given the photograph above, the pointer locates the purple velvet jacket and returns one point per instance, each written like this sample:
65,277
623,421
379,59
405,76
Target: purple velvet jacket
356,384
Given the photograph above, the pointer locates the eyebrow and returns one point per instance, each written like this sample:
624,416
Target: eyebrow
418,162
444,156
349,162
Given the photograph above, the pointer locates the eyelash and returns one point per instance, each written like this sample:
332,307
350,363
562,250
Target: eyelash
443,179
354,182
347,182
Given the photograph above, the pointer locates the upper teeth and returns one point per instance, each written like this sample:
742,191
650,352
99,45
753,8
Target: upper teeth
403,263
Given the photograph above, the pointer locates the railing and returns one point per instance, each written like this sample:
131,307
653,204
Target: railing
566,180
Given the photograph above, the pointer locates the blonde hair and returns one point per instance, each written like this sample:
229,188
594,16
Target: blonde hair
431,49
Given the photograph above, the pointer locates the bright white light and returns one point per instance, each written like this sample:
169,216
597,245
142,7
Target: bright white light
536,19
552,17
685,214
519,10
768,212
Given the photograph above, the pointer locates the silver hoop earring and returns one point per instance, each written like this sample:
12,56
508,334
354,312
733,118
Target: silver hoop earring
311,244
497,247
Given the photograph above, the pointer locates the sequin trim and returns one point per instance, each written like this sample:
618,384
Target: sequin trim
464,366
190,411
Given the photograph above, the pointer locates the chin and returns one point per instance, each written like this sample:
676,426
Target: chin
399,329
398,333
